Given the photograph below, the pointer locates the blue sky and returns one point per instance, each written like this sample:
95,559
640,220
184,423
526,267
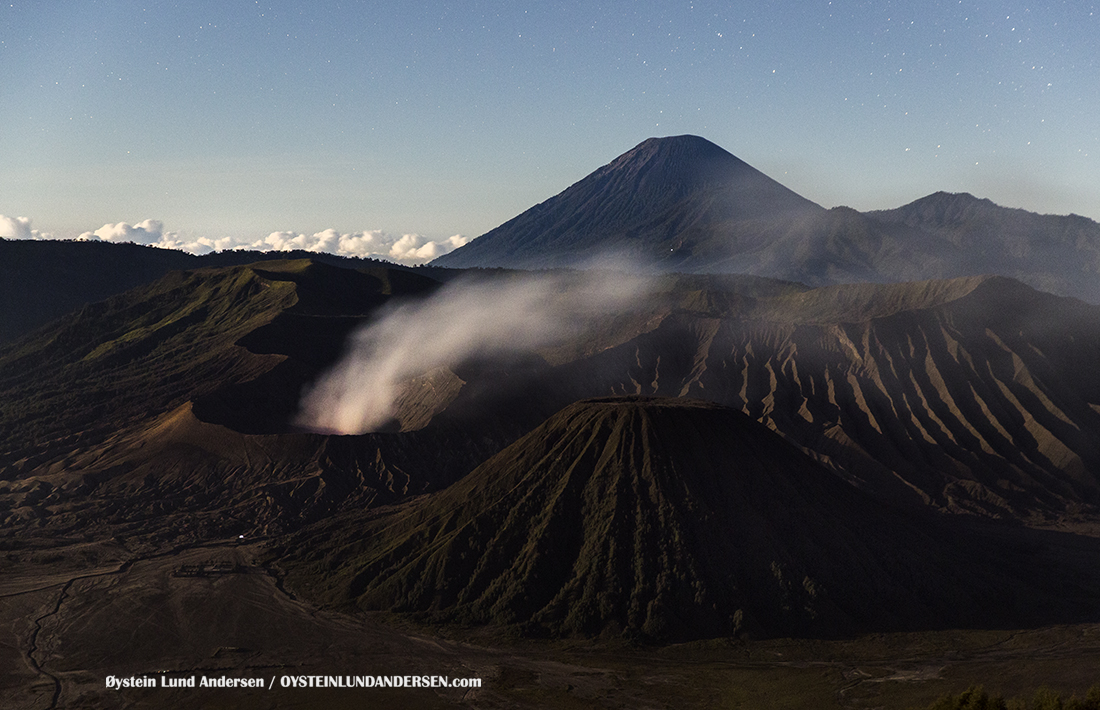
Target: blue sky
243,122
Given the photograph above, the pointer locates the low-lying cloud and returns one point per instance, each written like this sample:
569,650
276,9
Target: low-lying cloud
151,231
374,244
408,248
462,321
19,228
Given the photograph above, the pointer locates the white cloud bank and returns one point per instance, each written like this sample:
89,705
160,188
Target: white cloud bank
406,249
374,244
19,228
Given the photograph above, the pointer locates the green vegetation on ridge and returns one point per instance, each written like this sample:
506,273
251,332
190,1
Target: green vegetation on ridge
180,338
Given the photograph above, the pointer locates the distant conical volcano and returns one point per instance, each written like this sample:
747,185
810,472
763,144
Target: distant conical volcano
654,518
650,204
683,204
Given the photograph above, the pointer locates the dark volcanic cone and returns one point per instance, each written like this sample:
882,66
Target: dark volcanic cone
653,203
683,204
654,518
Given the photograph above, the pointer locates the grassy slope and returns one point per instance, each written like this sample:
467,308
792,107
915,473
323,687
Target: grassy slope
178,339
44,280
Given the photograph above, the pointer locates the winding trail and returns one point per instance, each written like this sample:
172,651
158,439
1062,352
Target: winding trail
862,681
32,649
32,645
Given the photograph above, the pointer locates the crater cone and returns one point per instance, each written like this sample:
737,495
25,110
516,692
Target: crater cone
652,518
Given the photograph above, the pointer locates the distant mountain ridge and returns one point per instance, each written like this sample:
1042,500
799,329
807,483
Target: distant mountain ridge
44,279
679,204
1059,254
684,204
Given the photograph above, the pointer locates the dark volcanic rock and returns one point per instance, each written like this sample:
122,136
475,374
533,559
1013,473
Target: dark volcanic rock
652,204
656,518
172,402
974,395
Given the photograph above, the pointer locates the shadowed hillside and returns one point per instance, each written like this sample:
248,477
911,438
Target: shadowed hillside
115,416
160,506
182,337
977,396
984,401
41,280
662,519
973,395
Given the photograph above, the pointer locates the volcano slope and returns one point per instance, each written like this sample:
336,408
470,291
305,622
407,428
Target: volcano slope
660,519
660,202
975,395
41,280
174,403
684,204
151,429
164,412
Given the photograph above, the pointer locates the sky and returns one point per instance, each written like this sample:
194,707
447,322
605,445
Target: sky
404,129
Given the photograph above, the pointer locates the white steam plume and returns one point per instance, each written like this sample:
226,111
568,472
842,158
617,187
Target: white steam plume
462,321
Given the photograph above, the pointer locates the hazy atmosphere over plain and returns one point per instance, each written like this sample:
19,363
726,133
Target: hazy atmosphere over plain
403,129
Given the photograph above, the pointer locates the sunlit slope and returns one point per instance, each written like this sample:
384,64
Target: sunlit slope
653,518
136,354
184,337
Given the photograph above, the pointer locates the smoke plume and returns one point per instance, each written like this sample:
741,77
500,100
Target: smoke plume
462,321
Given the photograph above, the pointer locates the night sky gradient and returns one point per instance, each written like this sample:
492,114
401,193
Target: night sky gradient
223,122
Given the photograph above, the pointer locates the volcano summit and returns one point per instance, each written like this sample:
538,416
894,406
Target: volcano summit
662,202
684,204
